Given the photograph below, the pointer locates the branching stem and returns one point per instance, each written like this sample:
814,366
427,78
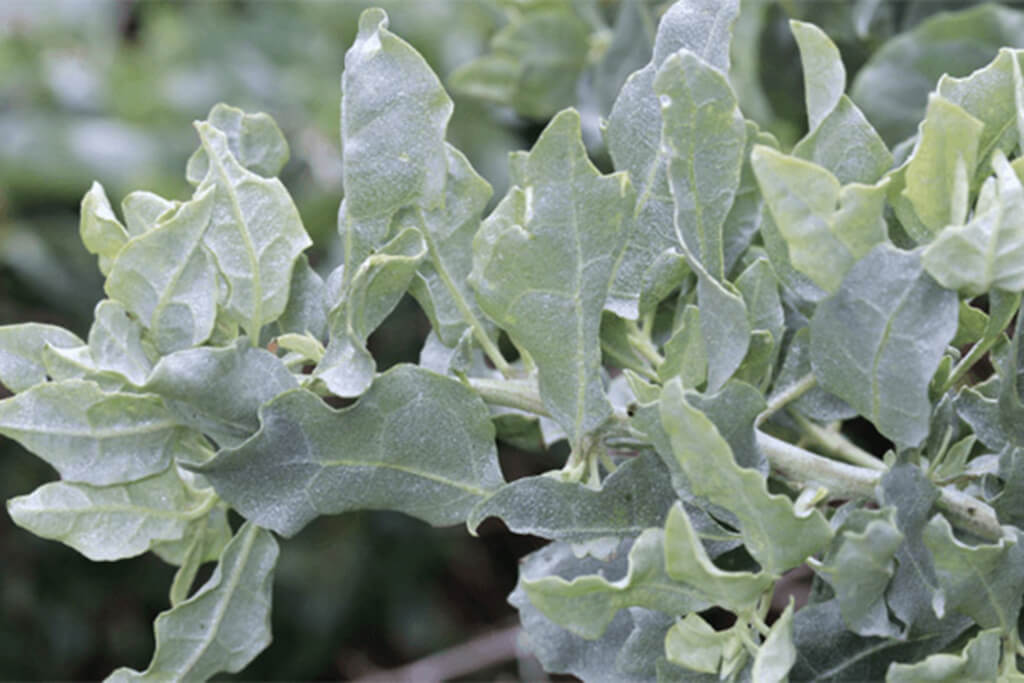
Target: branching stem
792,393
836,444
796,464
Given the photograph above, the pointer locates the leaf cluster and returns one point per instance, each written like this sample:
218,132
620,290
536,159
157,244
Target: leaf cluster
698,325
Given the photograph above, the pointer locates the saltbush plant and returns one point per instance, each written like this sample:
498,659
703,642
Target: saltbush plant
698,325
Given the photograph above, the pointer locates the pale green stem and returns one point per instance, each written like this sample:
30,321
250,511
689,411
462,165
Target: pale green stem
801,387
792,462
641,341
967,362
510,393
628,363
838,445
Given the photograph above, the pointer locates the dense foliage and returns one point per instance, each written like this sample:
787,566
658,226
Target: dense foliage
697,325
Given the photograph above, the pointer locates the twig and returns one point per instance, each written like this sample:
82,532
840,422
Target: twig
480,653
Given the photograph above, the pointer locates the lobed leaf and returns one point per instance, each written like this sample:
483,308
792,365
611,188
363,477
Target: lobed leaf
634,138
92,436
225,624
774,533
21,352
586,605
686,561
987,252
416,442
111,522
978,661
255,233
544,263
115,343
827,228
167,278
634,497
219,390
101,232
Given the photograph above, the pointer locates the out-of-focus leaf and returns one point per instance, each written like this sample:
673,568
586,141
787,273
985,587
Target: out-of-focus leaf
21,352
225,624
91,436
544,262
416,442
877,341
893,87
534,63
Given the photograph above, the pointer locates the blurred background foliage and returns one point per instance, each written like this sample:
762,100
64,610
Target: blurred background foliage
105,89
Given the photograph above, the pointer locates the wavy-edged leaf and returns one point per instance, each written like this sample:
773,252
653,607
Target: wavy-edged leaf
877,341
686,561
985,582
167,278
441,284
115,343
225,624
416,442
827,227
705,136
824,74
254,140
101,232
394,112
634,138
362,303
559,650
255,233
92,436
220,390
859,566
544,262
144,210
775,534
939,170
633,498
21,352
587,604
978,661
988,252
111,522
